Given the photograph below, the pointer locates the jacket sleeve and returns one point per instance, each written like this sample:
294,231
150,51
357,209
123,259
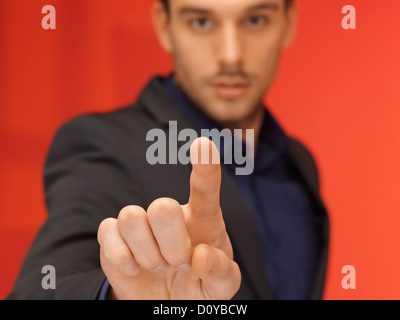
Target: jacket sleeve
87,178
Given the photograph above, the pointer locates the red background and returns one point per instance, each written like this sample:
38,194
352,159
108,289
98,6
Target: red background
337,90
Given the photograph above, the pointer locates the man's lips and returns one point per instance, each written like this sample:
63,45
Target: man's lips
231,89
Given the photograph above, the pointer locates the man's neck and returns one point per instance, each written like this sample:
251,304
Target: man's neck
253,122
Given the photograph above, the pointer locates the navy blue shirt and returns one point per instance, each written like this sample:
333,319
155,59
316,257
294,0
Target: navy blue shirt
282,207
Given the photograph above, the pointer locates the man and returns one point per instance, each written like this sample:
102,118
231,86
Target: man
180,231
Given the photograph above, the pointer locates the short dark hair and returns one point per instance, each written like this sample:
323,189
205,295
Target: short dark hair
166,3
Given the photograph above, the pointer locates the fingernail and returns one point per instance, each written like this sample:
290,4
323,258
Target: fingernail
161,268
130,270
186,267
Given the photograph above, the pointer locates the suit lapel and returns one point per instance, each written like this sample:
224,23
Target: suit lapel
304,163
241,227
308,172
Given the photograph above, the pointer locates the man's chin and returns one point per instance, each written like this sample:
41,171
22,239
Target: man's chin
230,119
228,111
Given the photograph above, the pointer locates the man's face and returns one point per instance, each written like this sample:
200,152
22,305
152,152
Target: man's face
226,52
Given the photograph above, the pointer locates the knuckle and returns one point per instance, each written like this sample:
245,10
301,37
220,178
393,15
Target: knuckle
163,209
130,214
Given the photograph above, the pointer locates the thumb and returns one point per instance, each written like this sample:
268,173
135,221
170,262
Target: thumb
219,274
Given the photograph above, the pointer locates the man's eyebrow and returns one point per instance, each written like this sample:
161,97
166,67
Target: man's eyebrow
265,5
188,10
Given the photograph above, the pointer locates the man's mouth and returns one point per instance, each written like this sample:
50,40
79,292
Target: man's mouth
231,89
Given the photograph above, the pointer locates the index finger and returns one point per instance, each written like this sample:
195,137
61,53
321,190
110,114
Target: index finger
205,180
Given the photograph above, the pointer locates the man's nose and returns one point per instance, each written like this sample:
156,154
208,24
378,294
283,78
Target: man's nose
230,48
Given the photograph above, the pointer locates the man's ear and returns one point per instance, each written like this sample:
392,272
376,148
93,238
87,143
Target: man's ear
160,20
291,24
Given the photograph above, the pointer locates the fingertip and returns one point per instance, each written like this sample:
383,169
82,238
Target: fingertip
221,275
203,260
204,151
105,227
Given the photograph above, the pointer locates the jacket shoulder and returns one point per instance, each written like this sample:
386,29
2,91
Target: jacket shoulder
103,129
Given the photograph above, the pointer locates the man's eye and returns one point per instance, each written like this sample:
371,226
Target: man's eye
256,21
201,23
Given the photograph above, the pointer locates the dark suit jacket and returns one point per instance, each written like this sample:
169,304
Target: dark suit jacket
97,165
